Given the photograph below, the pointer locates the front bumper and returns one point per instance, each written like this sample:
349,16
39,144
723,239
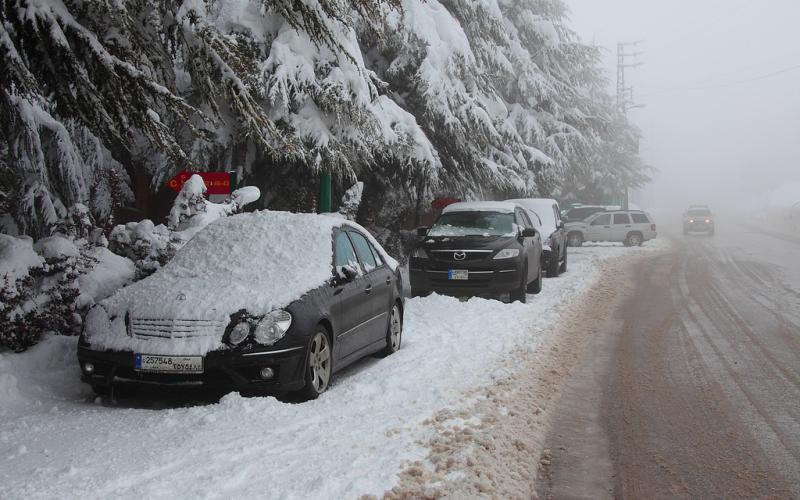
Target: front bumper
698,226
227,370
485,280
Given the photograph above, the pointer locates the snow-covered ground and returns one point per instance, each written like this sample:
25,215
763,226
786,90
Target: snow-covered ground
57,440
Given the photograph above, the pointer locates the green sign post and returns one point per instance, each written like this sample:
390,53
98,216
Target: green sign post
325,192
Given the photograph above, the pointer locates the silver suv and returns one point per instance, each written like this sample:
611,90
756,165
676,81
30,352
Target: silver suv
631,227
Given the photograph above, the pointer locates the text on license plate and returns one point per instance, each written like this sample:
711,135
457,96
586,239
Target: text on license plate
171,364
458,274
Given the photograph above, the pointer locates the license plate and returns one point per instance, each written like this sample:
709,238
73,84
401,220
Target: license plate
458,274
168,364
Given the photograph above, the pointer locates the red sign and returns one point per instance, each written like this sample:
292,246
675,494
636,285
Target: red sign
441,203
216,182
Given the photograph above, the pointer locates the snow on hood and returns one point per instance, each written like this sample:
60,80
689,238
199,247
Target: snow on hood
258,261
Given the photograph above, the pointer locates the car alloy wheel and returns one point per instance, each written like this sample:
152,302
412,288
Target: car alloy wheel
319,365
394,333
634,240
575,239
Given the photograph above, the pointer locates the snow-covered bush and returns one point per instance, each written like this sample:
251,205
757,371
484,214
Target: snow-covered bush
49,285
151,246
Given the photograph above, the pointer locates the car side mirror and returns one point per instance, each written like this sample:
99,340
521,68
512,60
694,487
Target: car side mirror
345,274
528,232
422,231
560,225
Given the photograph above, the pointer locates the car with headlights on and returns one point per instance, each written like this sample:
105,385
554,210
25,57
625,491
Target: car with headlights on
485,249
698,218
263,302
554,237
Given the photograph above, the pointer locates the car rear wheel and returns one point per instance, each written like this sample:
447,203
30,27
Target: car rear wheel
521,294
553,266
394,332
575,239
536,286
634,240
318,364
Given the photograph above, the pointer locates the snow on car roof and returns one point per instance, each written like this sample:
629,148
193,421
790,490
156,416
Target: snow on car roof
481,206
258,261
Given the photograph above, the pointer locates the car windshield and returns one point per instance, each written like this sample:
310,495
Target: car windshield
699,212
474,224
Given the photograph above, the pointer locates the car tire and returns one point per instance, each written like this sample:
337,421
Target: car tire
319,364
553,265
394,332
536,286
634,240
575,239
563,267
521,294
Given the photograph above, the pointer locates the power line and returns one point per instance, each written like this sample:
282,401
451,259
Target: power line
729,84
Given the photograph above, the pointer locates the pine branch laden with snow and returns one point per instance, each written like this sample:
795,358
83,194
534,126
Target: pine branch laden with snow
459,97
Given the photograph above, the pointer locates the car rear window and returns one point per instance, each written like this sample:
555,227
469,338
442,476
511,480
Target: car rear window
622,219
640,219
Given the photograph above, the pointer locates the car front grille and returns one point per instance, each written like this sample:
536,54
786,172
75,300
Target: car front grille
460,255
175,328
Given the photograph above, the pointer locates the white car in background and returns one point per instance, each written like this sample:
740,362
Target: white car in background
631,227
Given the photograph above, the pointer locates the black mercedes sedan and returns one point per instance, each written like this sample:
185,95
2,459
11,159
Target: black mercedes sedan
485,249
260,302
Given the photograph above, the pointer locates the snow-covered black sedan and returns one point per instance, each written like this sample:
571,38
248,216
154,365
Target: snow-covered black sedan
262,302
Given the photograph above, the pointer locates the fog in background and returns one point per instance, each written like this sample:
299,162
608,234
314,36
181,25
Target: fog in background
713,137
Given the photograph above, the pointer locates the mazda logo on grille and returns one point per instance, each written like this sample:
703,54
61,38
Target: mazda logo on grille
459,256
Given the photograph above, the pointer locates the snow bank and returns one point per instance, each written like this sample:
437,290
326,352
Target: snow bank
16,257
353,440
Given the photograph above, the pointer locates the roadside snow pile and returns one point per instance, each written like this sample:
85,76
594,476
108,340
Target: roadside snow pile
353,440
17,257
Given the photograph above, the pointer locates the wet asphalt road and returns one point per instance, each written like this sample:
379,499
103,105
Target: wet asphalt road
691,389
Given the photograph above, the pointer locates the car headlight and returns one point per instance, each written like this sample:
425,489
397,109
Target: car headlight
507,253
419,253
691,221
239,333
273,327
708,221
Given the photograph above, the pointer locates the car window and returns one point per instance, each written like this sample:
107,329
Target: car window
640,218
602,220
622,219
376,254
535,220
522,219
344,254
364,250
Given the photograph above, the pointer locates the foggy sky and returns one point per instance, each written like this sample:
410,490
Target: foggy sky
728,144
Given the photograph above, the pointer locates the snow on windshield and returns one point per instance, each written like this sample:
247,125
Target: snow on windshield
456,224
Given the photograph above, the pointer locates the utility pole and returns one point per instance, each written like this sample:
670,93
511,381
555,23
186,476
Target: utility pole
624,93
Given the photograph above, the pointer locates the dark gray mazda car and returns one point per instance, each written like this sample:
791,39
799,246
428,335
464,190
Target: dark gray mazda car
485,249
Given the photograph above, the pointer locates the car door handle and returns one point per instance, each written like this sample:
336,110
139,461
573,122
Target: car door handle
628,226
368,290
388,281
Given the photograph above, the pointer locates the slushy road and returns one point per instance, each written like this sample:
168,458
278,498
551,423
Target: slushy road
691,389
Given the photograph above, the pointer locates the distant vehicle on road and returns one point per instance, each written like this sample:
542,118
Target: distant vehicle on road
581,212
631,227
482,249
554,237
261,302
698,218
